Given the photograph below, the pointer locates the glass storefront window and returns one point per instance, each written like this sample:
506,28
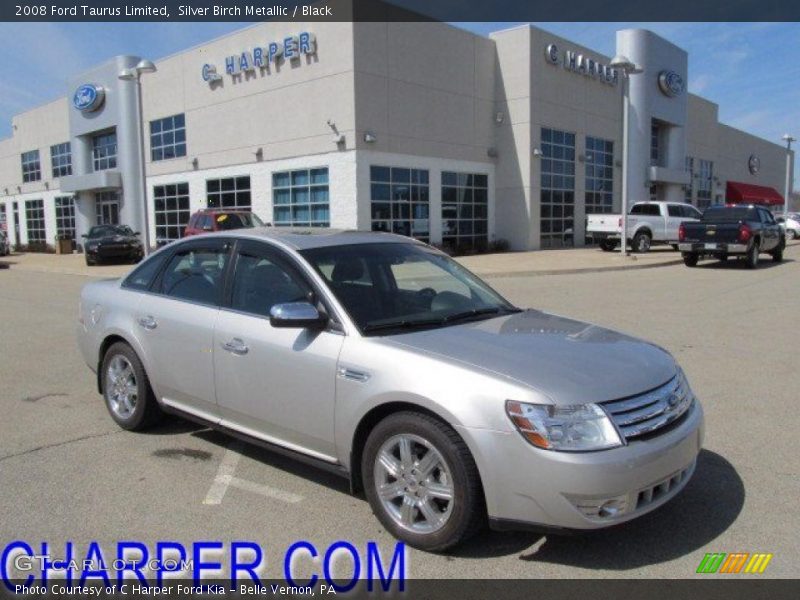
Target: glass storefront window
400,201
300,198
465,211
557,200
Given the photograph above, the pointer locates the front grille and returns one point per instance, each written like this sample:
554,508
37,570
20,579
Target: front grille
649,412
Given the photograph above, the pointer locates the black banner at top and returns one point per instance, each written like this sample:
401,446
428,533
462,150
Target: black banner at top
400,10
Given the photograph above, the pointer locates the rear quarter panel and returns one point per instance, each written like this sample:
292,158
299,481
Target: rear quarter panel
106,309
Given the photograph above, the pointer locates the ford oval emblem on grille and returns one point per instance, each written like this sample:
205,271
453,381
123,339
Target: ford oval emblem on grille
673,400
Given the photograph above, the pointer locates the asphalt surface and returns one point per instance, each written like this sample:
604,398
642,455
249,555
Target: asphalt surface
68,473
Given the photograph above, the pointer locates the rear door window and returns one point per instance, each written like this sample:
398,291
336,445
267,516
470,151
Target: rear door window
674,210
649,210
143,276
196,274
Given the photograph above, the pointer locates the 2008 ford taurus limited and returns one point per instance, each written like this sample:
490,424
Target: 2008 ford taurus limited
381,358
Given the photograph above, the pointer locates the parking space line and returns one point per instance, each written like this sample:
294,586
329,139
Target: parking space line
265,490
225,478
227,467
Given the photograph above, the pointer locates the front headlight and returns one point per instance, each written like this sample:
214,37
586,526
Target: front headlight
575,428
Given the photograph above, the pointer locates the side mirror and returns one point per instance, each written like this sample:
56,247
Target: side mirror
301,315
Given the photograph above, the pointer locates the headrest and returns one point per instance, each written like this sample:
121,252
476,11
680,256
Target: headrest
349,269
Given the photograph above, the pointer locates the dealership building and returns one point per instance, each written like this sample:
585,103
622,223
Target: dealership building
418,128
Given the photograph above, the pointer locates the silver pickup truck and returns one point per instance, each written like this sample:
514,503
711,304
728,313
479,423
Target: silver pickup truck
648,223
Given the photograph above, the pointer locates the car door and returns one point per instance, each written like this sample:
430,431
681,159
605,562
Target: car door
176,325
276,384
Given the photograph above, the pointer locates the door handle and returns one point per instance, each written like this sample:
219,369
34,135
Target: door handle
236,346
148,322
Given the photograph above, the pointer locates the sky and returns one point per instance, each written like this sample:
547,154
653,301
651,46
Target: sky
751,70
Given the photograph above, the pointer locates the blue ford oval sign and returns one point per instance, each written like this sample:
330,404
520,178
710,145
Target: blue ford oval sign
670,83
88,97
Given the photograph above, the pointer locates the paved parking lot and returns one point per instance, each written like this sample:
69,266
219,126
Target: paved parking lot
68,473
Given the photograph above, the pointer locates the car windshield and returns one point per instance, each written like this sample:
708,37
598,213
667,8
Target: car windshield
227,221
398,287
104,230
729,214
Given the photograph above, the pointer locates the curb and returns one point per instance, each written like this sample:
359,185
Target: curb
576,271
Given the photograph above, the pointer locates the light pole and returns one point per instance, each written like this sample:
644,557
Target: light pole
131,74
788,139
624,65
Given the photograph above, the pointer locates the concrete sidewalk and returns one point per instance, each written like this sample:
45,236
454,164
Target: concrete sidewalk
549,262
508,264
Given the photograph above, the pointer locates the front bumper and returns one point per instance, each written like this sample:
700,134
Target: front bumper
115,251
715,249
530,486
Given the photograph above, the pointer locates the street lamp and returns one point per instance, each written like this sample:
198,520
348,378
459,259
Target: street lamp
788,139
625,66
131,74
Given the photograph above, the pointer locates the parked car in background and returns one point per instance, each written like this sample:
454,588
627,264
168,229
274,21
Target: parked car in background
209,220
725,231
790,223
648,223
385,361
5,245
104,242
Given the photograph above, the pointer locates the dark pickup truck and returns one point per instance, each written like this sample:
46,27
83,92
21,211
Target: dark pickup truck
744,231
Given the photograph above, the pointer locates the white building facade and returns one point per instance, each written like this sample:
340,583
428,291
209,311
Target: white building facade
419,128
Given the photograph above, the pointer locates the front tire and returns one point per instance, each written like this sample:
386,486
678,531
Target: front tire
690,259
751,259
777,254
642,242
422,482
126,390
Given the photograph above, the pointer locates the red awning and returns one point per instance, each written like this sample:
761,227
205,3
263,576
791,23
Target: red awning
747,193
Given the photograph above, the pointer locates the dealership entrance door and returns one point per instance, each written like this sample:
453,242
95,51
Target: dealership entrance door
107,208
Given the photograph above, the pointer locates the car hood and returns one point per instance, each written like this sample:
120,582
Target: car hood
569,361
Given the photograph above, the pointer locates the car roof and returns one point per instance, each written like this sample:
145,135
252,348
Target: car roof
315,237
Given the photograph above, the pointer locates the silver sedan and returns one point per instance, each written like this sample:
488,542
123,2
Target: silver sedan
380,358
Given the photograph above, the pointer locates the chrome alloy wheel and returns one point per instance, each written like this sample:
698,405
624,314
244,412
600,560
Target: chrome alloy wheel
414,483
121,388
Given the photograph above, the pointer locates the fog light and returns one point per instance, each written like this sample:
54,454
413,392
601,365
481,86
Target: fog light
612,508
600,508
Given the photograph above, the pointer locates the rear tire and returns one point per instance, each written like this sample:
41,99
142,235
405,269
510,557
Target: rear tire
641,242
751,258
126,389
607,245
432,508
690,259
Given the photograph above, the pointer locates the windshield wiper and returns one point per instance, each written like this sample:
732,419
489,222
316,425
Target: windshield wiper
418,323
468,314
403,324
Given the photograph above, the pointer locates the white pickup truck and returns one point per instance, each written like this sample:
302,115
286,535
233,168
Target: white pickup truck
648,223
